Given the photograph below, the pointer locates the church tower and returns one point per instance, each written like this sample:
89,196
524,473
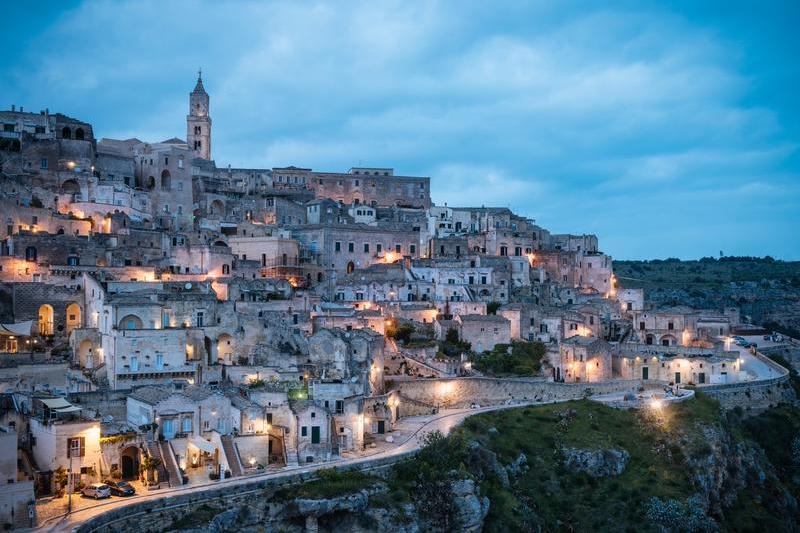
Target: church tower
198,123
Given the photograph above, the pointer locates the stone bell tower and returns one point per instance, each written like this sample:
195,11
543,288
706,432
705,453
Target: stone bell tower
198,122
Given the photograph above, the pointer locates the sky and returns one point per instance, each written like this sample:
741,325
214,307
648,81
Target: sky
667,129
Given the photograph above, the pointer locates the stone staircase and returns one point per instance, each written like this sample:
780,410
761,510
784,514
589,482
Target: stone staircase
154,450
232,455
170,464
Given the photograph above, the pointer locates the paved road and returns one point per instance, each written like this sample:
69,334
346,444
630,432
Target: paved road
755,367
444,422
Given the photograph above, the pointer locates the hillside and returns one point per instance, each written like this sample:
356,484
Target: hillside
766,290
577,466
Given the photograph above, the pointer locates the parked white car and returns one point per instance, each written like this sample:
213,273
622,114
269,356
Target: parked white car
97,491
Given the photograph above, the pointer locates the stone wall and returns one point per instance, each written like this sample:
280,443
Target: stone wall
462,392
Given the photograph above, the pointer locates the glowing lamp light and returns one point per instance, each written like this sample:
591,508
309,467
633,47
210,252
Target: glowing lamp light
656,404
252,461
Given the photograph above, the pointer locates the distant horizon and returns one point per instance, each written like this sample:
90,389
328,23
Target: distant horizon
666,129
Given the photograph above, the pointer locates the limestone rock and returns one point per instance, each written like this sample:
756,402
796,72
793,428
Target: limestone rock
596,463
225,521
518,466
483,462
356,502
469,509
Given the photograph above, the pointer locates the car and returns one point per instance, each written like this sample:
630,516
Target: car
97,491
120,488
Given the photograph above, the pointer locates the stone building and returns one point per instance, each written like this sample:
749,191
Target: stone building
483,332
583,359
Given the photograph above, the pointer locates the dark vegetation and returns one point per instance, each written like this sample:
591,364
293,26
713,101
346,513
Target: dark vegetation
519,358
706,271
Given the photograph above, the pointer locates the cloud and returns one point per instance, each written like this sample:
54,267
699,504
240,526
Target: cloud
585,119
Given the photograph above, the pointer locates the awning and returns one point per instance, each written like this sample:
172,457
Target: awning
22,329
56,403
70,409
203,445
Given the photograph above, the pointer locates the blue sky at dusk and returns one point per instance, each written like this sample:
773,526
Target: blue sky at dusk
668,129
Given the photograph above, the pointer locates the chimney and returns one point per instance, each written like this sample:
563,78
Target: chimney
20,109
13,107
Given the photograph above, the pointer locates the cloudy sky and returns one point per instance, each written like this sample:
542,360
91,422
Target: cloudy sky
669,130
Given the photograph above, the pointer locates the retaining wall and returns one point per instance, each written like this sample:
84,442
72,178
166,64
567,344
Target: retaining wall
462,392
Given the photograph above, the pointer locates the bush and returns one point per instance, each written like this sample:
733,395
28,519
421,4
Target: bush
525,359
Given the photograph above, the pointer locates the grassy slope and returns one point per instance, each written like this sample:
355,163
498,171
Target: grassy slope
576,500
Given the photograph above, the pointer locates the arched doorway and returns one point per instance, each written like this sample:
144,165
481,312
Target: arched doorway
166,181
151,183
649,339
66,133
218,208
350,267
130,462
668,340
73,317
86,354
79,134
46,320
70,187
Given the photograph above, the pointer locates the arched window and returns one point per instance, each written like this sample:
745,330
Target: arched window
66,133
46,320
73,317
151,183
130,322
79,134
350,267
166,181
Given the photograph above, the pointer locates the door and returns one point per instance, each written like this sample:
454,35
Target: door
169,428
701,377
645,373
314,434
381,426
677,377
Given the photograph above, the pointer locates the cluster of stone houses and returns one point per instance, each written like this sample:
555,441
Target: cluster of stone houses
225,321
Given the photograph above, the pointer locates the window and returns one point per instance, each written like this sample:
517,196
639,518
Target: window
186,425
337,247
366,247
398,248
340,406
503,250
379,248
76,447
351,247
412,249
304,431
199,319
43,163
670,326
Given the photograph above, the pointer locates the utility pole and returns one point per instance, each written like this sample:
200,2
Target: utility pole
69,485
